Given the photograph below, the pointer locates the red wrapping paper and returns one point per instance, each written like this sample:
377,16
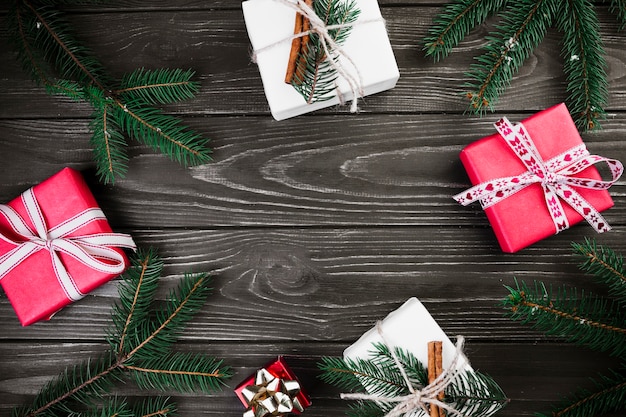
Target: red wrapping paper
523,218
32,286
278,369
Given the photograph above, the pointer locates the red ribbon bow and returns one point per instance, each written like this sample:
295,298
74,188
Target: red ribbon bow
554,175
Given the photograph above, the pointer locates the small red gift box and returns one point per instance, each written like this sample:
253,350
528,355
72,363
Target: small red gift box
530,214
276,369
56,246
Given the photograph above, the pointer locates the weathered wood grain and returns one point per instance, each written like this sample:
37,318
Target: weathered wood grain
315,227
214,43
333,284
534,376
336,170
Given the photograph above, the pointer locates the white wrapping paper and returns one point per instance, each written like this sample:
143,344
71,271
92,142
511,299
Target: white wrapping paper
270,23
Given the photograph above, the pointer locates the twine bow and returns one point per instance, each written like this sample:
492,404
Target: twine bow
319,27
554,175
271,396
94,250
418,399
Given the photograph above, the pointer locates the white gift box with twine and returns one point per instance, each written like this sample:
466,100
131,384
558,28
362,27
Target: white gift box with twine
270,25
410,327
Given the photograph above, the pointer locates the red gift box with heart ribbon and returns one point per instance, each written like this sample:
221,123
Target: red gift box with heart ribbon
536,179
56,245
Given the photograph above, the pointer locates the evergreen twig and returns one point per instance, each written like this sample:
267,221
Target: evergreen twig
522,26
317,80
140,342
49,51
585,319
473,394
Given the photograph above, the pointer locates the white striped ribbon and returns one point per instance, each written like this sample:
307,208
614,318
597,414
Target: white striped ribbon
95,251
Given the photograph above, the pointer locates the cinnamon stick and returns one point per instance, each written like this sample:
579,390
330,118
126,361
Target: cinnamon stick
297,64
435,368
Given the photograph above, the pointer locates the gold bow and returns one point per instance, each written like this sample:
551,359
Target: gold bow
271,396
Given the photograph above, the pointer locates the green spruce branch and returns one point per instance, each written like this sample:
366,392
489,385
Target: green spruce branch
596,322
521,28
49,51
473,394
315,77
141,340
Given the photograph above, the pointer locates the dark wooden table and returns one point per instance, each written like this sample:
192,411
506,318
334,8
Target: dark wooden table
314,227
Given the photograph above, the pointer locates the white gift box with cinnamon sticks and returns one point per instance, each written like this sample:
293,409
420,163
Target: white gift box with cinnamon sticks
365,55
413,329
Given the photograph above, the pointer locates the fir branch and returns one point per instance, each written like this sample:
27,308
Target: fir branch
366,409
84,385
75,385
584,62
136,297
471,393
618,7
163,330
524,25
54,37
162,132
183,372
521,28
49,51
586,320
605,264
155,407
454,22
351,374
159,86
20,26
415,370
476,394
111,408
606,398
109,146
316,81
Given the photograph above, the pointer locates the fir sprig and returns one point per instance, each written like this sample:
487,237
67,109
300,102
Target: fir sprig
584,319
521,28
473,394
316,81
48,49
140,340
606,265
580,317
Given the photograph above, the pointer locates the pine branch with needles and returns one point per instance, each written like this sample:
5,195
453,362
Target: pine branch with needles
315,75
596,322
521,27
140,341
49,51
473,394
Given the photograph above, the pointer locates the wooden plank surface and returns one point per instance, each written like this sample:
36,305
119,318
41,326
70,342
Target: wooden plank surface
314,227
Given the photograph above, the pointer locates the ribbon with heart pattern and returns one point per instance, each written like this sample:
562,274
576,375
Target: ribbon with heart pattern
95,251
555,176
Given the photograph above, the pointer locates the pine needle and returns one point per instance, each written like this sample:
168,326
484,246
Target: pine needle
472,394
584,319
317,82
141,339
48,49
454,22
521,27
